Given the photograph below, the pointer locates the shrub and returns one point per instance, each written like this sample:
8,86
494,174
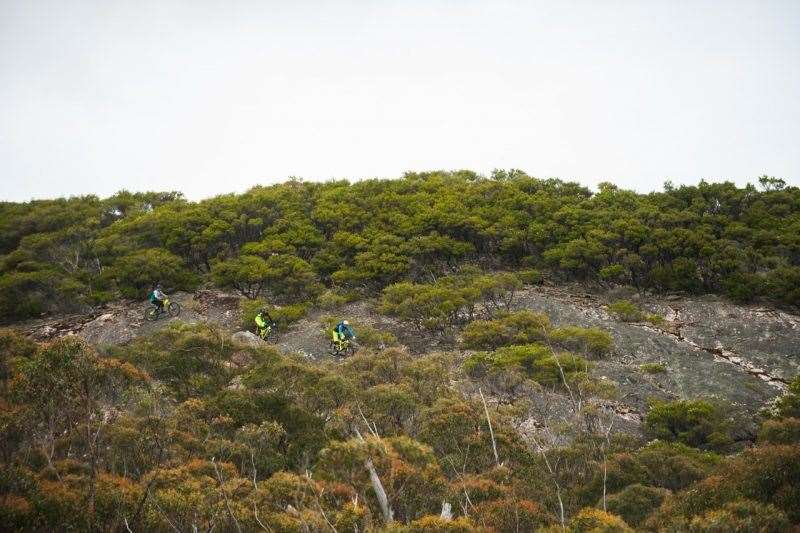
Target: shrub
652,368
535,360
288,314
635,502
24,294
786,431
590,341
615,272
654,319
136,273
743,287
622,469
490,334
372,337
675,466
530,277
626,311
248,309
743,516
451,300
783,284
766,474
590,520
788,405
696,423
283,277
436,524
513,515
330,299
521,327
425,306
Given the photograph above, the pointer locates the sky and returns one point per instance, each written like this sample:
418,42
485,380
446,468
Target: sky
210,97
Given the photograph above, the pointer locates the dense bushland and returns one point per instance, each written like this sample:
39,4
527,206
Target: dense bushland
288,242
188,431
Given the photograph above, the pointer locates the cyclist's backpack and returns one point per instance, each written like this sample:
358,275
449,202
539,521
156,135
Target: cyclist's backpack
151,296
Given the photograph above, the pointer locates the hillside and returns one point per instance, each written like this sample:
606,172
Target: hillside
532,357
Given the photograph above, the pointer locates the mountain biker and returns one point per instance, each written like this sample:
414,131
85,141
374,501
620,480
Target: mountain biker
157,298
343,331
263,322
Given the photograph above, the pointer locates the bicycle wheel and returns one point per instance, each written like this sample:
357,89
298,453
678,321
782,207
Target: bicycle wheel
263,334
151,314
335,349
350,349
174,309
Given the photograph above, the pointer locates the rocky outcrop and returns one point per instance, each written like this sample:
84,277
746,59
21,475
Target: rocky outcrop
740,356
247,338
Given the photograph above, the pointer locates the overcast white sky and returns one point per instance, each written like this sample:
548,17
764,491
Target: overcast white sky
209,97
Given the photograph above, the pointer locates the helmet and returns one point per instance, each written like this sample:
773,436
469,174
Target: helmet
345,322
262,311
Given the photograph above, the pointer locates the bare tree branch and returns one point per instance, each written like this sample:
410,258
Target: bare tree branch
225,496
491,431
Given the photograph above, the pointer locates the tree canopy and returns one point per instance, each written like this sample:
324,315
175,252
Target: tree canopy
291,239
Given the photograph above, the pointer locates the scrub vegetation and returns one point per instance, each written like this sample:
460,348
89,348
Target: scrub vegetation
498,420
302,241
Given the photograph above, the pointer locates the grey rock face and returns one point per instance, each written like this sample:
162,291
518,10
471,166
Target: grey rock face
740,356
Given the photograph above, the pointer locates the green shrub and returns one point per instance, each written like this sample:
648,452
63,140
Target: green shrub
136,273
615,272
536,361
626,311
23,295
486,334
286,278
478,364
513,514
451,300
656,320
435,524
769,475
783,284
635,502
590,520
675,466
189,359
652,368
695,423
520,327
288,314
372,337
530,277
331,299
742,516
430,307
743,287
589,341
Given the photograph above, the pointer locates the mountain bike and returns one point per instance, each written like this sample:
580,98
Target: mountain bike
268,332
342,348
153,313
